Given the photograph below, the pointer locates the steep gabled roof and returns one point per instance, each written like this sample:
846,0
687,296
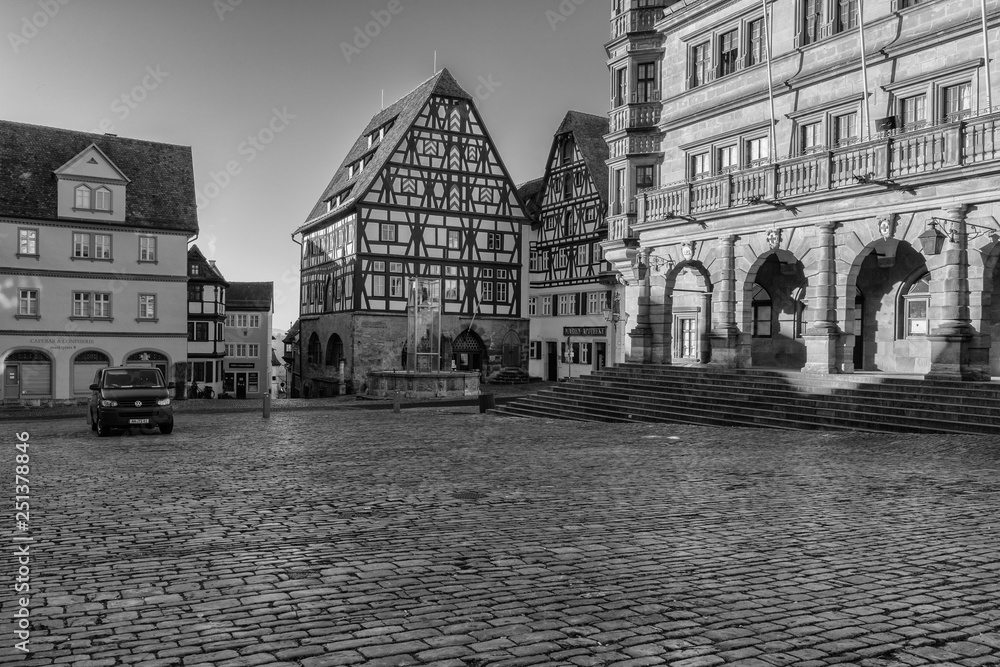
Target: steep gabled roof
403,114
292,334
532,193
208,273
250,296
588,133
161,189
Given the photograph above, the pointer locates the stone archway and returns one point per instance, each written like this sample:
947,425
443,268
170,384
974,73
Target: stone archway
773,310
687,298
879,284
468,351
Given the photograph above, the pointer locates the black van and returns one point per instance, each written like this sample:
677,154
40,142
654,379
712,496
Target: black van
127,396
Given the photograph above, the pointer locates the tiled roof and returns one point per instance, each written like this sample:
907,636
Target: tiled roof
208,273
532,193
404,112
249,296
588,133
161,189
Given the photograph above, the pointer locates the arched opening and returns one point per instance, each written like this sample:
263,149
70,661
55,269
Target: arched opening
891,298
512,350
152,359
777,311
688,295
468,351
27,375
85,366
314,352
334,350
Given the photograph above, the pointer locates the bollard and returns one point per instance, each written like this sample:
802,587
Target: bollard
267,405
395,402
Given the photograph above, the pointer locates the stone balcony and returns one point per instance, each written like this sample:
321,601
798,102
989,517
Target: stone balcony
635,20
895,160
635,116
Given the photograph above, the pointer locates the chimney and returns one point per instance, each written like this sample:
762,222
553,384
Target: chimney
211,263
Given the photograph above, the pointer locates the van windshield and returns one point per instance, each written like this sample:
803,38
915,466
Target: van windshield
132,379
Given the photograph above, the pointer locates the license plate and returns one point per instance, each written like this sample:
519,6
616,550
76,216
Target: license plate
138,421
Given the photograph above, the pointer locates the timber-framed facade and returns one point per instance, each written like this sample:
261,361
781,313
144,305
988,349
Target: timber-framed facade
423,193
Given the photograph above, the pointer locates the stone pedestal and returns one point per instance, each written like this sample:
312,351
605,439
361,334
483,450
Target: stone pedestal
641,349
946,357
821,353
725,346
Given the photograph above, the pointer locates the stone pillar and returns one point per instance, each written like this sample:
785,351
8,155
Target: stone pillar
823,333
642,334
704,328
724,336
950,339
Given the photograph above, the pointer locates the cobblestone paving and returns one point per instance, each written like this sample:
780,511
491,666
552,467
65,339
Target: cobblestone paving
449,538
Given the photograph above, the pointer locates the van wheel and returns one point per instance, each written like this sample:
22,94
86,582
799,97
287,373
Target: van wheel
103,430
166,428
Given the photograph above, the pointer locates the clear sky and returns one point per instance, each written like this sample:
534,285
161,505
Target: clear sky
301,75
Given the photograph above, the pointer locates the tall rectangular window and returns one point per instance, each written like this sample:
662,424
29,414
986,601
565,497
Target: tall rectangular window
102,305
729,52
546,305
845,129
453,239
147,306
378,286
620,194
27,242
502,289
532,306
621,87
81,304
700,166
27,302
811,139
957,101
755,42
487,290
147,248
388,233
847,15
699,65
810,22
81,246
913,111
757,150
644,177
646,91
726,158
102,246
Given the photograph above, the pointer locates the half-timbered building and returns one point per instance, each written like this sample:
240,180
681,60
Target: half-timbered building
567,299
422,193
206,323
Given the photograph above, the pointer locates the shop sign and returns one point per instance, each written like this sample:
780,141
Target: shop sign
585,331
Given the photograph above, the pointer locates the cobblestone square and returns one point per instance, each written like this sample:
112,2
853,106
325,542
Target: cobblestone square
444,537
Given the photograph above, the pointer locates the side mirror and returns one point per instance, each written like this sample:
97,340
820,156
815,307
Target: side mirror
94,387
171,385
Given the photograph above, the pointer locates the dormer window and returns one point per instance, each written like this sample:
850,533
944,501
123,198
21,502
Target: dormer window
83,197
102,199
194,270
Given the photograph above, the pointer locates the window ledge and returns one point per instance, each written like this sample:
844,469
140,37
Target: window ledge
103,211
74,318
27,317
34,256
92,259
147,261
151,320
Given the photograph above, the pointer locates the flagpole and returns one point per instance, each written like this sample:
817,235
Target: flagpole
864,69
770,86
986,53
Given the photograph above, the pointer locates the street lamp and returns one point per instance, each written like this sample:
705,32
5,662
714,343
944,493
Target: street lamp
613,314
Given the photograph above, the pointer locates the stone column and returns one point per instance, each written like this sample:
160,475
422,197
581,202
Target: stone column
950,338
724,336
642,334
823,333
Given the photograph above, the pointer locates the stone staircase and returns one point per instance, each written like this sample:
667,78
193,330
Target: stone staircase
509,376
768,398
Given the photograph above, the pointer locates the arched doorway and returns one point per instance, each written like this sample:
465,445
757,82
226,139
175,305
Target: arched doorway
27,375
512,350
468,351
775,292
85,365
151,359
889,290
688,295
